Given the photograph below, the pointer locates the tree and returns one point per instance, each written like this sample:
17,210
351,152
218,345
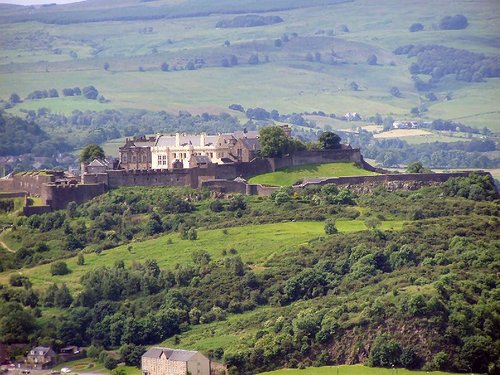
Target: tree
225,62
91,152
192,234
416,27
477,352
68,92
62,297
59,268
14,98
233,60
330,227
16,323
457,22
71,209
395,92
227,43
329,141
354,86
416,167
80,260
90,92
53,93
253,59
131,354
164,67
385,352
274,142
278,43
106,66
216,206
372,60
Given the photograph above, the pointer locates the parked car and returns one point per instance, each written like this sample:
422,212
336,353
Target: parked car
65,370
25,371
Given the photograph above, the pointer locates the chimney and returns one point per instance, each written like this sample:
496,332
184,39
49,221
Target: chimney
202,139
177,139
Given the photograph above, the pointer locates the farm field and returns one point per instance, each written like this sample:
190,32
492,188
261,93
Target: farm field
255,243
289,176
52,55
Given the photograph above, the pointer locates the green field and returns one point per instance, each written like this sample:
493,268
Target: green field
39,55
351,370
88,365
255,244
289,176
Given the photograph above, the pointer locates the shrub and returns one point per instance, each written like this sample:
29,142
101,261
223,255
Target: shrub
59,268
330,227
385,352
416,27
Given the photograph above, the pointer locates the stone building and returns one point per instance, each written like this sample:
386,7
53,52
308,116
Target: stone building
136,153
169,148
166,361
41,357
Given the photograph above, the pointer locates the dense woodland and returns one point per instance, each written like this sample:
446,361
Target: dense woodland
425,296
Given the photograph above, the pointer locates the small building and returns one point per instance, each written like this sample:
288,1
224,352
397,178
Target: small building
97,166
246,149
201,161
166,361
41,357
136,153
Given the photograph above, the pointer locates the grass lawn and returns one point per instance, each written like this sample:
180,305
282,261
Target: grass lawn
88,365
255,243
289,176
350,370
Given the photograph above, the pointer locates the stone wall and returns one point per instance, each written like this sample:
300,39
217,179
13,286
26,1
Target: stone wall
358,184
407,181
36,210
58,196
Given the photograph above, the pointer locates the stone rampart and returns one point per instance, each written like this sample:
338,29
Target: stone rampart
358,184
407,181
14,194
58,196
36,210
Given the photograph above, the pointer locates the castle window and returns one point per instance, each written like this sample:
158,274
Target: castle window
133,159
159,159
124,158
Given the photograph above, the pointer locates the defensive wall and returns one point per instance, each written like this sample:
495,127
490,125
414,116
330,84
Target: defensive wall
56,194
358,184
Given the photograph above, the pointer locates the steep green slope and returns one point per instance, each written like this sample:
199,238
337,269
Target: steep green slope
420,296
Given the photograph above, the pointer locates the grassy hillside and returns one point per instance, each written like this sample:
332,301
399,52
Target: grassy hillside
290,176
255,243
257,283
41,56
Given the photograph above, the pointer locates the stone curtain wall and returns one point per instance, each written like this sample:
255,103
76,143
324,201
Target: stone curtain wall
58,196
358,184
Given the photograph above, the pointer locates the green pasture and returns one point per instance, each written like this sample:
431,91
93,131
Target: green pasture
255,244
351,370
289,176
88,365
42,56
224,334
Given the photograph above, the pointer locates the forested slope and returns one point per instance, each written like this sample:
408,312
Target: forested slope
423,295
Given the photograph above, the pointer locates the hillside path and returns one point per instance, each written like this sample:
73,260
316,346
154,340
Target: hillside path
4,245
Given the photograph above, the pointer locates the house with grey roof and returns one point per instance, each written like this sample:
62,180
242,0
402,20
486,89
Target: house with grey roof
41,357
166,361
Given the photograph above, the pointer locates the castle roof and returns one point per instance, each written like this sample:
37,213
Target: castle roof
171,354
186,140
